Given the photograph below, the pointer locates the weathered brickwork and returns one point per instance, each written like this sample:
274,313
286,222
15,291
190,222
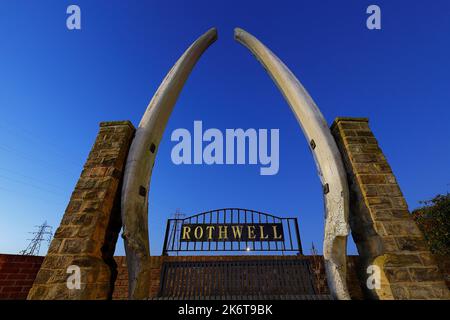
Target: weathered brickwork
91,223
382,227
17,274
121,284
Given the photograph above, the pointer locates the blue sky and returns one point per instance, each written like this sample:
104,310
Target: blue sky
56,85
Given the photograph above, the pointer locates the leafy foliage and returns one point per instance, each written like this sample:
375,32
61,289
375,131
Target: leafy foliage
433,218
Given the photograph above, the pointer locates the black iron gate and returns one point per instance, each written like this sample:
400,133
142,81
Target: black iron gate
269,233
241,279
236,230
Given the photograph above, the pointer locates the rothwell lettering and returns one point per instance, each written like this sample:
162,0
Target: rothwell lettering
232,232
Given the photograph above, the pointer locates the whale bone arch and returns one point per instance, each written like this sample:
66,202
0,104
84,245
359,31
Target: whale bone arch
326,156
140,161
142,154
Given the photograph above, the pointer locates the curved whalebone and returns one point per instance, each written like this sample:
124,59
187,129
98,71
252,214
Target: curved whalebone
139,165
326,155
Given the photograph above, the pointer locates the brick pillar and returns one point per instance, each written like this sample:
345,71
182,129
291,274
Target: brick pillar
381,224
91,223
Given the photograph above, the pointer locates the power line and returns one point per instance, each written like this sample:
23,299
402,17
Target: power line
31,178
43,163
26,134
29,195
59,193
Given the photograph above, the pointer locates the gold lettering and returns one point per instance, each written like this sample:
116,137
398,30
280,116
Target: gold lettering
251,232
275,233
223,232
210,230
237,231
186,231
198,237
261,229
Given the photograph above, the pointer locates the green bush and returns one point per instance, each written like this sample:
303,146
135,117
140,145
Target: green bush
433,218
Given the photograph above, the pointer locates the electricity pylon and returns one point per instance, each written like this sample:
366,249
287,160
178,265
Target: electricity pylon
44,233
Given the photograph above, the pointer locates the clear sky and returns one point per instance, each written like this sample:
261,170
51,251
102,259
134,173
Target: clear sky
56,86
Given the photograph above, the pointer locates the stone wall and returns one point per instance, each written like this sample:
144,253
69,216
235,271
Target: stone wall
381,224
91,223
17,274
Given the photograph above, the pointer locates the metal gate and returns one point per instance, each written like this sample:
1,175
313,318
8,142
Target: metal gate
284,279
288,242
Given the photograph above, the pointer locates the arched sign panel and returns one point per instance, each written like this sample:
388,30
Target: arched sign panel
232,230
143,150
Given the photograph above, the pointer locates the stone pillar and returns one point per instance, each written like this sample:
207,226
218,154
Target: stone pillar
89,229
381,224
